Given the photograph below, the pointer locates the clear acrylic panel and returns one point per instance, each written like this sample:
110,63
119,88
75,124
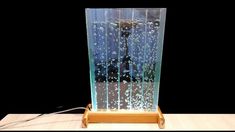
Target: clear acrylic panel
125,52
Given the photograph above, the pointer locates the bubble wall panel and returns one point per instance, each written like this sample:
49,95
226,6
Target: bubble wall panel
125,51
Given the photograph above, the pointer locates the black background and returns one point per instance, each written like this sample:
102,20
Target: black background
45,60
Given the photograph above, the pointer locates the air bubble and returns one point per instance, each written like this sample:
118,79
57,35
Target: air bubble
126,100
101,28
114,52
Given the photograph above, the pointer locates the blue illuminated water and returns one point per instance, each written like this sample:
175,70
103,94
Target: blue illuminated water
125,51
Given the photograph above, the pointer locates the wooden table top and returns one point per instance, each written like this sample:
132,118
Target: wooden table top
73,122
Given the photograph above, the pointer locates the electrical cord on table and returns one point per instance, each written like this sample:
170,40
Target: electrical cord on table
41,115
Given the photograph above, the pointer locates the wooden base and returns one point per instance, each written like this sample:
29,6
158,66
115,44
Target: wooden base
122,117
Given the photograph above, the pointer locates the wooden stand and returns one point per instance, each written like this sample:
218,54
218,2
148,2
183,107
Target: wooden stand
122,117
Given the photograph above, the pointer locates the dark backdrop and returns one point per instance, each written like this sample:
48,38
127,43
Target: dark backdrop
45,59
